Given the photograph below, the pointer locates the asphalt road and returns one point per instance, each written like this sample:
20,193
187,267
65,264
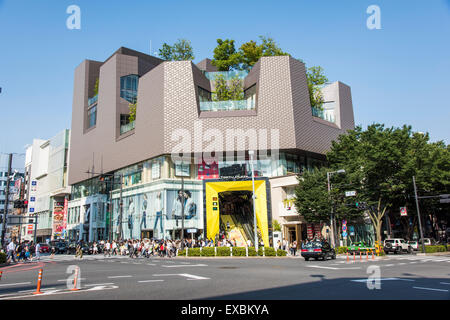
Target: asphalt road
395,277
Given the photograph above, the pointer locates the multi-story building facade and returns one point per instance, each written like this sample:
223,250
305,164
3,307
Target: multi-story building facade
46,188
182,139
17,173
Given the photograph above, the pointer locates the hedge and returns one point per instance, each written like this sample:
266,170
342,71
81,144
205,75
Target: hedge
237,252
433,249
2,257
207,252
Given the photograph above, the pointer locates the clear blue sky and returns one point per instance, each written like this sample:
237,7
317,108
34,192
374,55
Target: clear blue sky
398,75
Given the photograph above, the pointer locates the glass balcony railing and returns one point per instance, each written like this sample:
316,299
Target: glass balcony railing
228,75
229,105
325,114
93,100
126,127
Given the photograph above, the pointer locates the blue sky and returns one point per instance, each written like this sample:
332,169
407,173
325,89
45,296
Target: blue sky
398,75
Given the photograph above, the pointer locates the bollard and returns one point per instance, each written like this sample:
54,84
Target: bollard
373,256
75,281
367,255
231,252
1,272
348,259
246,251
354,256
360,256
38,289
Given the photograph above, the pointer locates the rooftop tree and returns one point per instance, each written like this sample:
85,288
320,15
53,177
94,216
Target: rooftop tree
180,51
226,57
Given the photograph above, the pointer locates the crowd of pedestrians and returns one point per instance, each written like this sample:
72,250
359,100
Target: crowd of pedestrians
22,251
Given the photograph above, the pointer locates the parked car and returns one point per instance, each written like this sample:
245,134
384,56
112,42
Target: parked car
317,250
61,247
427,241
414,245
45,248
396,245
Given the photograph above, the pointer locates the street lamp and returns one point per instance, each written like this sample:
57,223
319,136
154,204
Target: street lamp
332,220
251,152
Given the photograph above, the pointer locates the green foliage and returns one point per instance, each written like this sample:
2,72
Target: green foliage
193,252
207,252
380,163
96,87
225,55
311,196
180,51
250,52
269,252
236,88
281,253
251,252
221,92
433,249
2,257
276,225
239,252
225,92
315,79
132,107
182,252
223,251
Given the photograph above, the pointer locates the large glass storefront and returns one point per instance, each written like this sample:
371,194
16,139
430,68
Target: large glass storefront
152,198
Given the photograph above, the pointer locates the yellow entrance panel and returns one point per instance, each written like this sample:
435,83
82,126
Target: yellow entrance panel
212,190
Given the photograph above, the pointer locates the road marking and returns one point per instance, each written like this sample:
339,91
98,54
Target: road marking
124,262
137,263
151,264
413,262
333,268
445,283
403,263
143,281
431,289
99,284
62,291
389,265
385,279
35,290
112,277
190,276
65,280
14,284
184,265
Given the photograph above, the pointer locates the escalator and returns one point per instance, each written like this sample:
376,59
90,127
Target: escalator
234,230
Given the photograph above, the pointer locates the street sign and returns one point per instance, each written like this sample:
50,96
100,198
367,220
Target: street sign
191,230
344,234
350,193
445,198
403,211
444,201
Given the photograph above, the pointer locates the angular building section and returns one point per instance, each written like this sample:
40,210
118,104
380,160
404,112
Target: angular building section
182,162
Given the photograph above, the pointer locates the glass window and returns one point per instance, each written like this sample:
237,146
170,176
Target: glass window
250,96
204,95
92,116
129,87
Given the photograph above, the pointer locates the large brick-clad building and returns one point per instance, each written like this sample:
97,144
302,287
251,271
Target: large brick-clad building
113,156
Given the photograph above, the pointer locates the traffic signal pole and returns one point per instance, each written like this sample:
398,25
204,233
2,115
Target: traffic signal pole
418,213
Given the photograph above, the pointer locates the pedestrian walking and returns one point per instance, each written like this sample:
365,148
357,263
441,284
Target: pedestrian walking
37,252
11,251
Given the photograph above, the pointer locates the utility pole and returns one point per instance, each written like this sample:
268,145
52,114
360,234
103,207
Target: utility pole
418,213
5,211
120,208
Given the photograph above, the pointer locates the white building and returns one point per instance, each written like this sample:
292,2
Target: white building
46,187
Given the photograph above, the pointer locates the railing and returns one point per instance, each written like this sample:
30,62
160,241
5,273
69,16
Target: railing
92,100
229,105
228,75
326,114
126,127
